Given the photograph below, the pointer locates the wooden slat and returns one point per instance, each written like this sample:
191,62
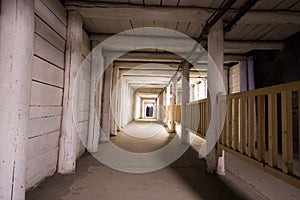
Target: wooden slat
235,121
287,132
224,132
58,9
243,125
261,128
41,126
47,15
48,52
251,139
38,164
42,144
42,29
229,123
45,72
272,130
44,111
46,95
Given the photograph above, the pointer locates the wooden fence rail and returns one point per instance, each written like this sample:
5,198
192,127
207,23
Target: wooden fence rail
259,128
262,126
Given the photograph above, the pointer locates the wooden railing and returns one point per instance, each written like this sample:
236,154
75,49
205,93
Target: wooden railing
197,117
259,129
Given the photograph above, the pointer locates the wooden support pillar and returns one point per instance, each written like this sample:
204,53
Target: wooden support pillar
120,100
168,102
185,135
106,125
69,137
216,53
16,54
95,103
114,101
173,102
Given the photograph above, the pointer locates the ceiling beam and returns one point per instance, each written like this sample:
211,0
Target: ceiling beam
154,65
133,12
176,44
102,10
162,56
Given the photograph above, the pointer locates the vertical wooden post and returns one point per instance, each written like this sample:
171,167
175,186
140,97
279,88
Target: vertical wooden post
251,128
229,123
261,128
114,101
95,93
216,52
173,102
106,125
235,121
272,130
69,137
16,55
185,136
287,132
243,124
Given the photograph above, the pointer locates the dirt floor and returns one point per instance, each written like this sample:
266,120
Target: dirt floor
186,178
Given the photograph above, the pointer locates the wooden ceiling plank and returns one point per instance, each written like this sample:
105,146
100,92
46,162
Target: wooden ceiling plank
296,7
256,33
266,4
246,31
285,5
235,31
276,30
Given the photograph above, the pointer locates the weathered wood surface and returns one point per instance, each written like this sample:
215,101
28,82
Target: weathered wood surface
16,54
69,137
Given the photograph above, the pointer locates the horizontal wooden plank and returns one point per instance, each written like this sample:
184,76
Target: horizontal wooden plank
33,181
42,29
293,86
35,166
48,52
41,126
48,16
42,144
58,9
44,111
45,72
46,95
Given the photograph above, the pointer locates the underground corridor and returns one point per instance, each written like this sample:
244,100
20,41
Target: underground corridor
149,99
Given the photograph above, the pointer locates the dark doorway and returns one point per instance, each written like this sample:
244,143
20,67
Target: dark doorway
149,111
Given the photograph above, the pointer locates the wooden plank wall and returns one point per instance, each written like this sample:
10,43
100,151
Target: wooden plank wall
46,90
234,79
84,83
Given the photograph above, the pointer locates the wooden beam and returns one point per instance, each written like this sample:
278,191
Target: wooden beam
177,42
162,56
179,14
16,61
131,12
73,60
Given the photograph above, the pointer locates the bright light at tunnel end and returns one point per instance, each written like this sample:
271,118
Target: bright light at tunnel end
125,161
